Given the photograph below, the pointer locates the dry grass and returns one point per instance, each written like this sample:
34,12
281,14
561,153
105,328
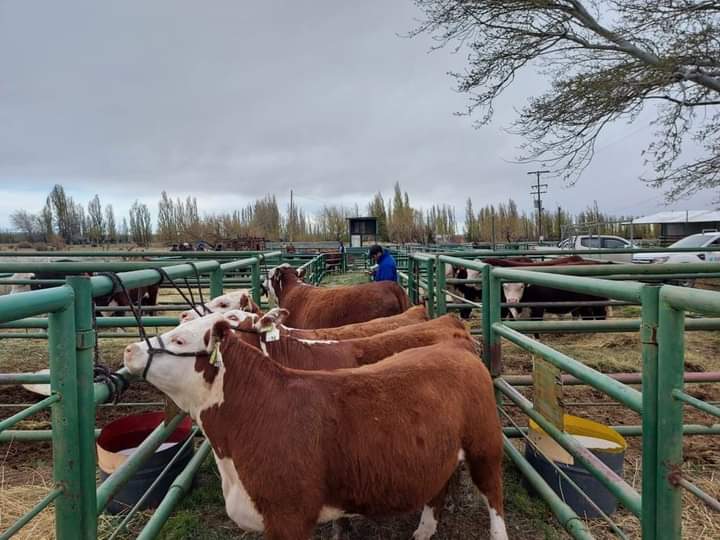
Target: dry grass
21,490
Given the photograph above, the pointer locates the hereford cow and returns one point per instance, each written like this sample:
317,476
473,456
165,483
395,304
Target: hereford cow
522,292
320,307
295,448
263,333
238,299
513,292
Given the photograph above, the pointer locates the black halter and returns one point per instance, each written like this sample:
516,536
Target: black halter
137,314
152,351
191,300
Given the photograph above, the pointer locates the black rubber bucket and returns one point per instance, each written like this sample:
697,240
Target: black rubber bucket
115,444
613,456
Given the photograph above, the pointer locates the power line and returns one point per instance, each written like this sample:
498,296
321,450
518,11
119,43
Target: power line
537,190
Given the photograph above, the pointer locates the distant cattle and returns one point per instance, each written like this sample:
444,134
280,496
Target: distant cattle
295,448
528,293
145,295
311,354
570,260
328,307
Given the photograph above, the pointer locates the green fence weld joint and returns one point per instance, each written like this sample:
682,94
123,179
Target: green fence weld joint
85,339
648,334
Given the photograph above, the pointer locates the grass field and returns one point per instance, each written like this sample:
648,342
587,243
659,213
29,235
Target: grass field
25,473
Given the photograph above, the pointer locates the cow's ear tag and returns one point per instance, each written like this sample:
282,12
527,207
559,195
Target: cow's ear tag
214,355
273,334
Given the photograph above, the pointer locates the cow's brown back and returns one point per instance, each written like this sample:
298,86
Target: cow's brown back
319,307
413,315
315,355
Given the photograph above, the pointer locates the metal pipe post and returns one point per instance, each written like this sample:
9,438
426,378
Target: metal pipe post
430,291
411,283
671,362
84,346
255,275
492,296
440,291
216,282
649,297
64,415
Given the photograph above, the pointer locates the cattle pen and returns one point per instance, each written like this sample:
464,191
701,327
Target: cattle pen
664,313
660,329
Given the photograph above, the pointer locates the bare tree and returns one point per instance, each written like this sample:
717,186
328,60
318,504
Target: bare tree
140,224
63,210
606,60
46,220
25,222
96,220
112,233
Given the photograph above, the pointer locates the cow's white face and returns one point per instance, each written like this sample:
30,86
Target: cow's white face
513,295
239,299
176,375
474,274
236,316
273,282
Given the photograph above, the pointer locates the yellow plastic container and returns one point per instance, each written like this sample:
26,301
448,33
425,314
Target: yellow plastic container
606,443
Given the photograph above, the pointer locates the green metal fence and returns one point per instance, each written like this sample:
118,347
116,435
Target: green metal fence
74,395
661,330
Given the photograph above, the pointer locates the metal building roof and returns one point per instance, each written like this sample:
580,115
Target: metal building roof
680,216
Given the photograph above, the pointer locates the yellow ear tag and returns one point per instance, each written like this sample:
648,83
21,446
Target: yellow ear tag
214,355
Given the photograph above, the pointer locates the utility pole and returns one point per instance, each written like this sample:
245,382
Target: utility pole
291,218
538,190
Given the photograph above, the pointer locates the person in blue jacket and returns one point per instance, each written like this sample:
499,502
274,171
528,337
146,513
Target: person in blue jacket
386,269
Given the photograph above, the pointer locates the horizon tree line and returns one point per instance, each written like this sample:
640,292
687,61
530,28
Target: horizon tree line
66,220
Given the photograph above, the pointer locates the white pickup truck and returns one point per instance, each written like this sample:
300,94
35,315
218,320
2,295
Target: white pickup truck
598,242
700,240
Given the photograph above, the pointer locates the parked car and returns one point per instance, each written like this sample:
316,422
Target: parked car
700,240
599,241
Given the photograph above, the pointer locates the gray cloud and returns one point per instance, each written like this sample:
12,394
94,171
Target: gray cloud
229,100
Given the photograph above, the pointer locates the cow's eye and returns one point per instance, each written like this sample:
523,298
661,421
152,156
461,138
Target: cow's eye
223,304
179,341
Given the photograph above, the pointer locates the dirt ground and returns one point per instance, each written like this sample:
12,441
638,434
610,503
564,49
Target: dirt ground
25,473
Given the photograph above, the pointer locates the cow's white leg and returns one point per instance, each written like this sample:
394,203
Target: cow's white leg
428,525
497,523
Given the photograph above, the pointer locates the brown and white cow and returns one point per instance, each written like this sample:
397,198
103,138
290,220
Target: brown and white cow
311,354
522,292
328,307
238,299
295,448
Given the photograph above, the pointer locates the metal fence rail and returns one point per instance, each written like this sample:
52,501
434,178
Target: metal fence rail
660,328
74,395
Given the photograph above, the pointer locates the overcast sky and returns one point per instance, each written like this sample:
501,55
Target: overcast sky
229,100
